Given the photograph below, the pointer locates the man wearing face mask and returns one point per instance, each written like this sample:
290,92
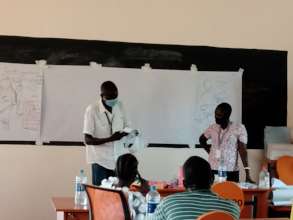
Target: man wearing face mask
227,139
103,125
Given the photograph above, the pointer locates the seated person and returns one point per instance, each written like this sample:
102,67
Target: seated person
198,198
126,173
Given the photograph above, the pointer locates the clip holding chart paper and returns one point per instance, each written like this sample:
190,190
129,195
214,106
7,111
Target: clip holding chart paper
193,67
42,64
241,70
95,65
146,66
39,142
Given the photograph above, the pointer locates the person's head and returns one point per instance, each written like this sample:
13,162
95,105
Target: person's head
197,173
222,114
126,169
109,93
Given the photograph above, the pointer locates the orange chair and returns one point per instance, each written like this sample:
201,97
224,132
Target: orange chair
229,190
285,169
107,204
216,215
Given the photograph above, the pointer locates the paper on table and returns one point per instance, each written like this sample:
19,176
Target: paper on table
282,196
282,203
279,184
246,185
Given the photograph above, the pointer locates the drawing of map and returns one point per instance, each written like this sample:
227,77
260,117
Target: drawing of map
20,101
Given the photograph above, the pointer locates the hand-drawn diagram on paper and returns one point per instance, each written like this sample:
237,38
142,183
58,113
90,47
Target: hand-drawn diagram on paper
20,98
212,89
209,95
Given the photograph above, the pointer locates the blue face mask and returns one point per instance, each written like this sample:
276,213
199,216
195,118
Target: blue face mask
111,102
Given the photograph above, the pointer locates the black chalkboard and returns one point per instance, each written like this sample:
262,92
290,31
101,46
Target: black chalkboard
264,79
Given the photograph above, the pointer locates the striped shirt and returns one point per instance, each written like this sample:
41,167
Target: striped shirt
190,205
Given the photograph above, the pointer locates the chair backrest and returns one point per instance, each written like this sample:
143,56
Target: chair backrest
107,204
216,215
285,169
229,190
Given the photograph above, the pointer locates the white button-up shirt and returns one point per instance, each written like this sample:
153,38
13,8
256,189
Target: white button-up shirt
225,144
98,125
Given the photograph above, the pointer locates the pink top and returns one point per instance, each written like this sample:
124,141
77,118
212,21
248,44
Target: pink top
224,144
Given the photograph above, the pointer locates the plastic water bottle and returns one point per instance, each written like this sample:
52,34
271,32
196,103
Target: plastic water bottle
80,194
264,178
222,171
152,199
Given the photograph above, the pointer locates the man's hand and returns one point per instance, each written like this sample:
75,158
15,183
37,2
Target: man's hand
117,136
203,143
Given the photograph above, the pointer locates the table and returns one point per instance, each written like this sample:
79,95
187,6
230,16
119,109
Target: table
259,197
281,208
66,210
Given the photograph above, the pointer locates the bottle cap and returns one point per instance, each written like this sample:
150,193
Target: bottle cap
153,188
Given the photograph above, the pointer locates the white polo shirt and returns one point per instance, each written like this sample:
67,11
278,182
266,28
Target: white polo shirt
97,125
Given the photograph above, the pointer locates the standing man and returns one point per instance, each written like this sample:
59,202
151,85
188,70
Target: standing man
227,139
103,125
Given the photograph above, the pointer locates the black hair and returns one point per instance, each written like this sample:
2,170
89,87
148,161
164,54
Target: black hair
225,108
108,86
126,167
197,173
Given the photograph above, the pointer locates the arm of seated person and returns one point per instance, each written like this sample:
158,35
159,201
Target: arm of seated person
142,186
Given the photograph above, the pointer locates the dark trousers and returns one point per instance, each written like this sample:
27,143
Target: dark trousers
231,175
99,173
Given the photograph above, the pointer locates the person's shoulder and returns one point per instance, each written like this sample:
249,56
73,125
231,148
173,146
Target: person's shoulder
228,203
213,126
182,197
230,206
170,197
176,196
167,200
237,125
93,107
